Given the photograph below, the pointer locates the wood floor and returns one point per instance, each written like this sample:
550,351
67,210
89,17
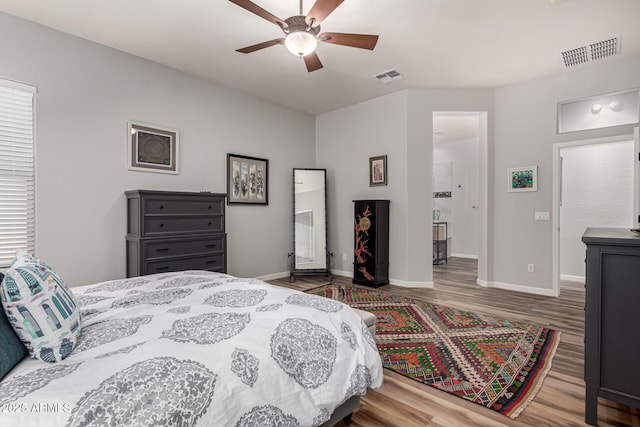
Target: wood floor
559,402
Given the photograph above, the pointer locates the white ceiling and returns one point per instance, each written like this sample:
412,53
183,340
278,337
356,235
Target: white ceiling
432,43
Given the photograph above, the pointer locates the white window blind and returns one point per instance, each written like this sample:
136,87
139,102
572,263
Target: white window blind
17,184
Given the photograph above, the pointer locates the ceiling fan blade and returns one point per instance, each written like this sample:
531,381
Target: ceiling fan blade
320,10
259,46
362,41
312,62
254,8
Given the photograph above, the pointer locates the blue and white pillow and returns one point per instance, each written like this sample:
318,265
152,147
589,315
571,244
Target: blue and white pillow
41,308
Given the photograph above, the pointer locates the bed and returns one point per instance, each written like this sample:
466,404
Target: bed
198,348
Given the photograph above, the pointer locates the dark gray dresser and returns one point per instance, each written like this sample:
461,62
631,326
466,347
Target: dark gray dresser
612,341
173,231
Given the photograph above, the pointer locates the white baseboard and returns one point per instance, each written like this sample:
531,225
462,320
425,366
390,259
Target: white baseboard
517,288
274,276
406,284
469,256
392,281
572,278
342,273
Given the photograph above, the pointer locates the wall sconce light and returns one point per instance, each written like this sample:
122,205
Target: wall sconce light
596,108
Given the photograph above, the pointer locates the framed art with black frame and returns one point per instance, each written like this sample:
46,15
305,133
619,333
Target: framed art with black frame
247,180
377,171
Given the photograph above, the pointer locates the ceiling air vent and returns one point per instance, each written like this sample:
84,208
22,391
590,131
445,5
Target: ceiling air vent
388,76
604,48
575,56
592,52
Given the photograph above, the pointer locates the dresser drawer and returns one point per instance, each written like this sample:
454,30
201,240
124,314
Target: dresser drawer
168,205
161,248
204,262
187,224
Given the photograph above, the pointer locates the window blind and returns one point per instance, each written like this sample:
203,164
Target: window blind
17,184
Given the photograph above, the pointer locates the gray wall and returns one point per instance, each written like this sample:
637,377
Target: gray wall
400,126
346,138
86,94
525,131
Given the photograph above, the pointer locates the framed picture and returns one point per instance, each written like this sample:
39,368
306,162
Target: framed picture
377,171
523,179
152,148
247,180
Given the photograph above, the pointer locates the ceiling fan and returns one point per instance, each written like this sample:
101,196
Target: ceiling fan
303,32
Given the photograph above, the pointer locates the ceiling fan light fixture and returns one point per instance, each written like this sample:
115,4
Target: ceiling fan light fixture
300,43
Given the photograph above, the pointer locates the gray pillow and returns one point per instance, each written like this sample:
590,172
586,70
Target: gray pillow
12,350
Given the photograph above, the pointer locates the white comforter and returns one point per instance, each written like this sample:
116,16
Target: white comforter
197,348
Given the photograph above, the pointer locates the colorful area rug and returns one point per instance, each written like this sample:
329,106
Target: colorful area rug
495,363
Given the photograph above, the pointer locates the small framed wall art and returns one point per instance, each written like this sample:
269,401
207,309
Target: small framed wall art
152,148
247,180
377,171
523,179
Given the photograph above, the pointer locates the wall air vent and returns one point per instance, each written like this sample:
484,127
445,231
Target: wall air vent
592,52
388,76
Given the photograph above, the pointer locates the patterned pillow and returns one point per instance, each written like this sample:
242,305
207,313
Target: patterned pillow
40,308
11,349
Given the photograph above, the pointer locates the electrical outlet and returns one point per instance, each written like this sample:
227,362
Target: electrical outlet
530,268
344,256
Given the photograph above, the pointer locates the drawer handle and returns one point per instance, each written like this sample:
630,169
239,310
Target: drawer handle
161,225
209,223
211,246
162,268
162,250
210,207
211,262
161,206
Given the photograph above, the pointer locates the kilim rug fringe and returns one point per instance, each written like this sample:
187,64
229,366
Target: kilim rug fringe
496,363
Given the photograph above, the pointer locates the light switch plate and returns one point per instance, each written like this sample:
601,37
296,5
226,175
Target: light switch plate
543,216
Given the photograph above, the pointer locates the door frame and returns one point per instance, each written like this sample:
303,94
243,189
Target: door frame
557,192
483,190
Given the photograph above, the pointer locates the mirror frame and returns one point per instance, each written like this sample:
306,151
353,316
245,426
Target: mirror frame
292,256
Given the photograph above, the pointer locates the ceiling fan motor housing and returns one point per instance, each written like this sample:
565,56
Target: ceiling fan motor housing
299,23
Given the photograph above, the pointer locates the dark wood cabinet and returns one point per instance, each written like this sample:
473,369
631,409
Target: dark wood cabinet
612,343
371,248
173,231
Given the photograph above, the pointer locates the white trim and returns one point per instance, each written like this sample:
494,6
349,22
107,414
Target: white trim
18,85
555,216
636,178
274,276
571,278
517,288
468,256
406,284
392,281
483,195
342,273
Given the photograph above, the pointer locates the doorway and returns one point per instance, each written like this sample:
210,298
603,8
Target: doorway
459,185
593,187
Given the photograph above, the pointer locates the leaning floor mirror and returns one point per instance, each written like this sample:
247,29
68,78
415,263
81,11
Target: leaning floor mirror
310,255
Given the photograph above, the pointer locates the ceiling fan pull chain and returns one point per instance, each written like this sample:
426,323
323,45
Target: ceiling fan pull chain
300,7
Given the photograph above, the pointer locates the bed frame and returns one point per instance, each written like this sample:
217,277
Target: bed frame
343,412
